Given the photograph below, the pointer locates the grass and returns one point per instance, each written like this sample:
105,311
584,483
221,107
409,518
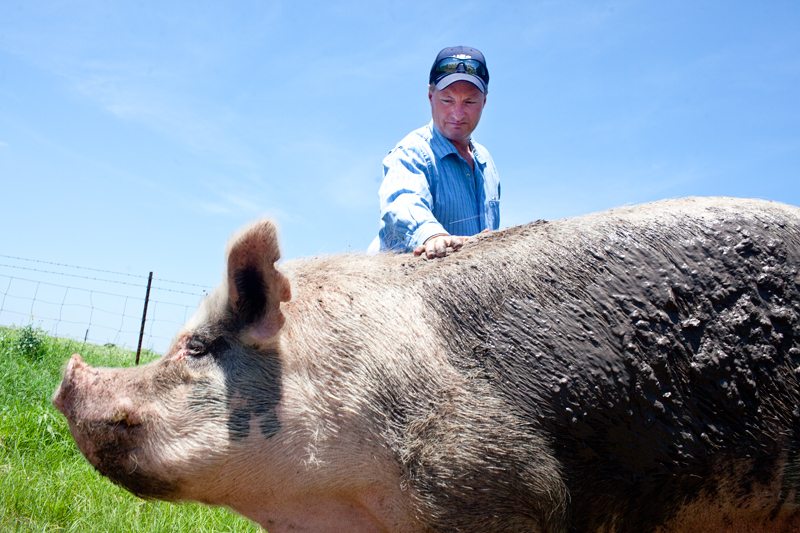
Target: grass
45,483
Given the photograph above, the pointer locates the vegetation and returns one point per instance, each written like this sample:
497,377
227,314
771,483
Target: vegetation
45,483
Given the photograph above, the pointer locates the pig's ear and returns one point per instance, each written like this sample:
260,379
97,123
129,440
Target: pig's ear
255,287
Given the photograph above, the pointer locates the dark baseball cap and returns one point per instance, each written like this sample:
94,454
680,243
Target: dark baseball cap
460,63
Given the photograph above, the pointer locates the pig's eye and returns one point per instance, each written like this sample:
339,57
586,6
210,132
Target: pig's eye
196,347
202,346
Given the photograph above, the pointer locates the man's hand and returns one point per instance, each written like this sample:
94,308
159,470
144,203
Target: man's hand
440,245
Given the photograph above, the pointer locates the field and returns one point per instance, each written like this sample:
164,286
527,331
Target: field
45,483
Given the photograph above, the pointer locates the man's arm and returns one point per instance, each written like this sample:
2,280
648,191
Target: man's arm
406,201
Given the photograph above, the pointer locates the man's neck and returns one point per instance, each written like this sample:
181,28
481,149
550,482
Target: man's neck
465,150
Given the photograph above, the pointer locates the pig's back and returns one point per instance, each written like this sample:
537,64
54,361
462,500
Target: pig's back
655,348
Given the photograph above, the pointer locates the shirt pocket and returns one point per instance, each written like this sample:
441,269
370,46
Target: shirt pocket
493,214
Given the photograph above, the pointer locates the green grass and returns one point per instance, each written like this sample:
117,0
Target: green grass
45,483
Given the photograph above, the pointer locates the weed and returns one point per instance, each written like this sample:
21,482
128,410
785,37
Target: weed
29,342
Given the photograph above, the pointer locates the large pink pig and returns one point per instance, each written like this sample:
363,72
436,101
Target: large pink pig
633,370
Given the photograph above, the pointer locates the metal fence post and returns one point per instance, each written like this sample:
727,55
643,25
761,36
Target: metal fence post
144,316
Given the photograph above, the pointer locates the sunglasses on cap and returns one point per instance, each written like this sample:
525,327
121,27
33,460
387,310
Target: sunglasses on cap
452,65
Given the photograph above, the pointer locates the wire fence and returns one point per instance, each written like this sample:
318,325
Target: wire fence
94,305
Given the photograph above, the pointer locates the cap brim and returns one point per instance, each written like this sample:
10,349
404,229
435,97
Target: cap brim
460,76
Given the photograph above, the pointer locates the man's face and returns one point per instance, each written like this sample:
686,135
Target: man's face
456,110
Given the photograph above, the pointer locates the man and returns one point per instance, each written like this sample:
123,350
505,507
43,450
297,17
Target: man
439,186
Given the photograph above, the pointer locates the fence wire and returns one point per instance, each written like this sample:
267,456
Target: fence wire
94,305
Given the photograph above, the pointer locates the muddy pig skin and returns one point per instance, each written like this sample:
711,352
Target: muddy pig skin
632,370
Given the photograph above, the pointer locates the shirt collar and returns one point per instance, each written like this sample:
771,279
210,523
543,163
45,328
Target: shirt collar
442,146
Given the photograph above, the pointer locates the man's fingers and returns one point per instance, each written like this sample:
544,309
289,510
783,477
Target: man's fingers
440,246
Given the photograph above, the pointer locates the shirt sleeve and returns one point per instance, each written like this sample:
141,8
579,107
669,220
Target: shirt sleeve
406,202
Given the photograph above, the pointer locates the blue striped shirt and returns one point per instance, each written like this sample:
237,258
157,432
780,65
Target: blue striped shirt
428,188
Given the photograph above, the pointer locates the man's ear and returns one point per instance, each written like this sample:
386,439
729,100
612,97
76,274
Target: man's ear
255,287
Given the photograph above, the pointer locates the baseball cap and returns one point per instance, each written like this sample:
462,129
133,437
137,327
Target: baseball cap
460,63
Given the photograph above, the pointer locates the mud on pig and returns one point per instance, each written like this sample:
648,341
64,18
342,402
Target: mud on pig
631,370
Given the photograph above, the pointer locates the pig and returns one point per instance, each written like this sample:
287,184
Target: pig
631,370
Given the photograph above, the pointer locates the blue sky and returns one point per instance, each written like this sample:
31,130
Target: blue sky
137,136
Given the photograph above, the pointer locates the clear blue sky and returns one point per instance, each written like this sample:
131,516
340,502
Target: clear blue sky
137,136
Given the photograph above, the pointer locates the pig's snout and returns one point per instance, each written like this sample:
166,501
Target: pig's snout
85,397
62,399
94,403
109,423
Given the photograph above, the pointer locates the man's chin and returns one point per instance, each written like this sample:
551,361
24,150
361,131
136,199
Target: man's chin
457,134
